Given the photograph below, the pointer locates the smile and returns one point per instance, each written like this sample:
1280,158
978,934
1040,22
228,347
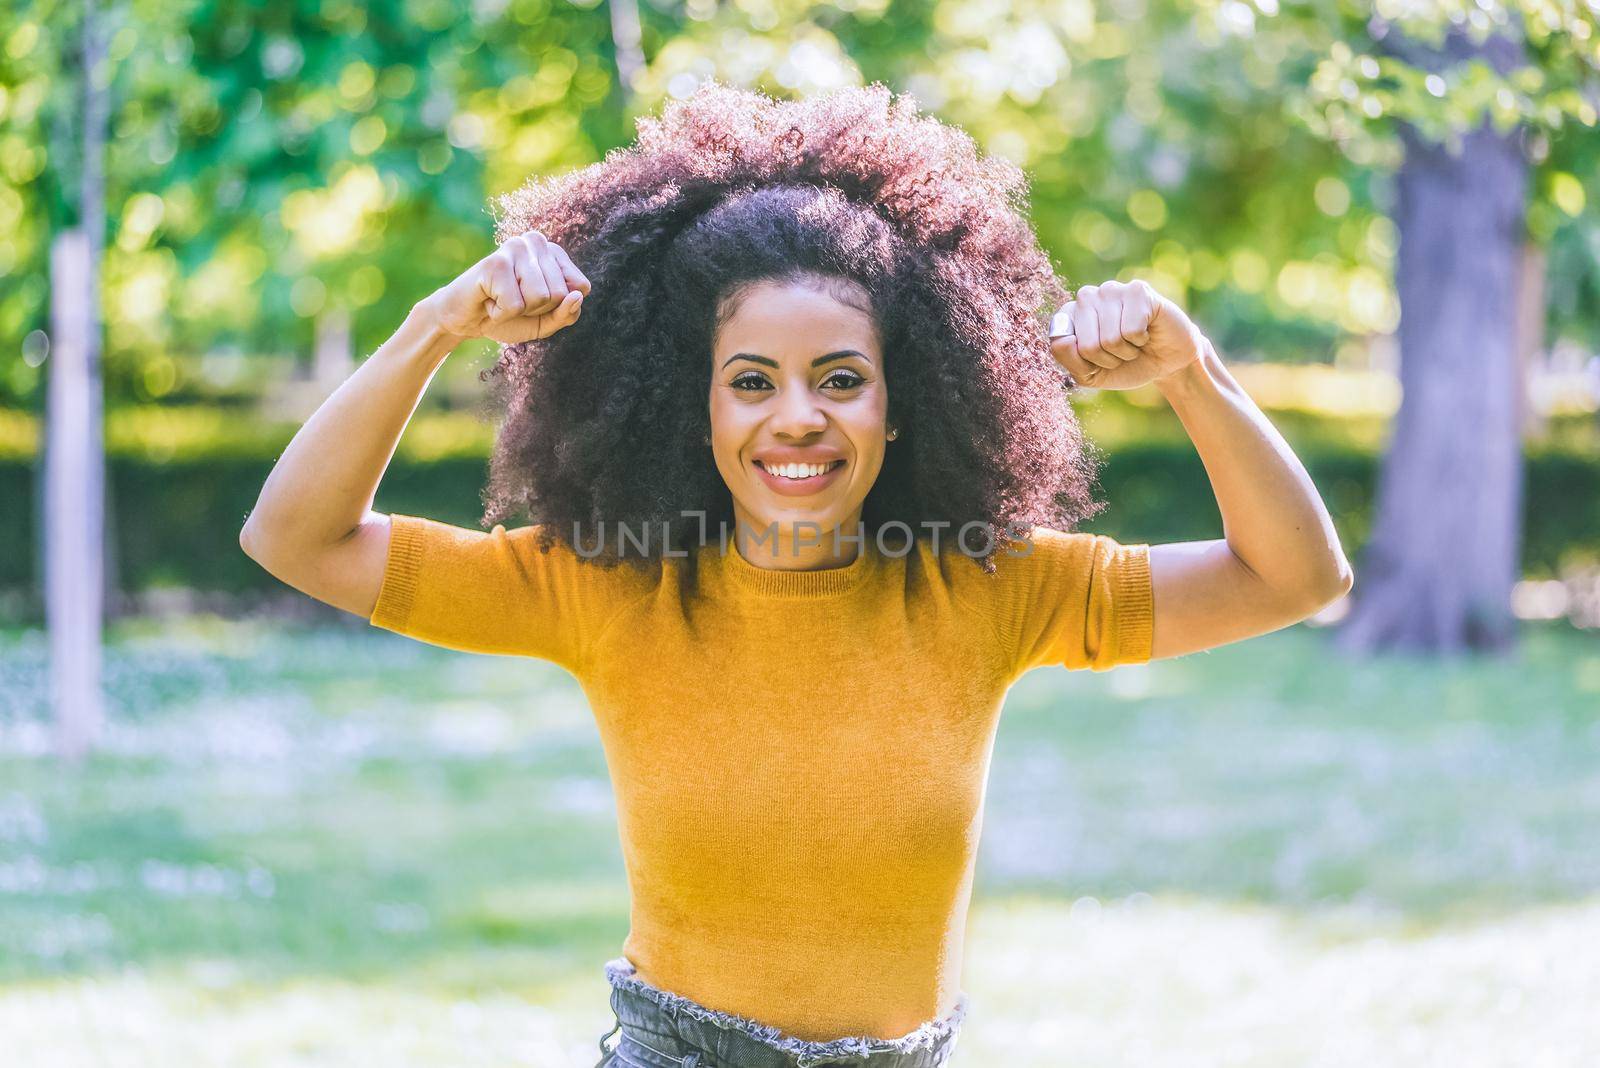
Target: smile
795,479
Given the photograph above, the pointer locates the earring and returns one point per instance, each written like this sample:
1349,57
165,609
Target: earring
705,439
894,432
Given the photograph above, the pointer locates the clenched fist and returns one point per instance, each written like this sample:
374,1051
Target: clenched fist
526,289
1121,335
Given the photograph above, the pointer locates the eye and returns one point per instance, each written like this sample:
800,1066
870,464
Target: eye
844,379
750,382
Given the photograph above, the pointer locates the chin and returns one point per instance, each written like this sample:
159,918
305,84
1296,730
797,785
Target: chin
786,519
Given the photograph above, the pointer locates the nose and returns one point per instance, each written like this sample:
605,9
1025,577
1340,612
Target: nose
798,415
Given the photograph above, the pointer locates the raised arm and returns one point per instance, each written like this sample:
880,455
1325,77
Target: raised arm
1280,560
313,525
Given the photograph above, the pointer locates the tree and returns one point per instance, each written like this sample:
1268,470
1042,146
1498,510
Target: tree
1439,568
271,165
1437,573
74,519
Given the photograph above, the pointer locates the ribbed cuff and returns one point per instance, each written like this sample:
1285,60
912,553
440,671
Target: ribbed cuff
399,588
1133,602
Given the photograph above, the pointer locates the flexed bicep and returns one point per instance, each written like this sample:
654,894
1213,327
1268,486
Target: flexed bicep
1205,596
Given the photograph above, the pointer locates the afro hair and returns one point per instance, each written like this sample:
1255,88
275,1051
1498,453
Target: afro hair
605,421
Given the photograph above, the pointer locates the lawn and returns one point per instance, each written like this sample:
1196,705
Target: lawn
331,845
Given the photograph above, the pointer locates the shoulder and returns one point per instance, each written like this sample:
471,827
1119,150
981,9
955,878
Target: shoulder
1018,556
1048,569
1063,597
531,554
1070,551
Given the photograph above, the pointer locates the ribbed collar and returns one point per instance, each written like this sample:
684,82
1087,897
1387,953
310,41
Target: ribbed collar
744,576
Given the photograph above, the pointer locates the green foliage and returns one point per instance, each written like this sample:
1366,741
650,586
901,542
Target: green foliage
272,163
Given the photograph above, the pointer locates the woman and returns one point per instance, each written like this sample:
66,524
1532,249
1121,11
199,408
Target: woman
804,472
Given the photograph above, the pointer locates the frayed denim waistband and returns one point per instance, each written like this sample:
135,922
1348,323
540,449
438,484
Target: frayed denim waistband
622,975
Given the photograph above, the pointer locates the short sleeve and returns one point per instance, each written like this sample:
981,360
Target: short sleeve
495,591
1077,600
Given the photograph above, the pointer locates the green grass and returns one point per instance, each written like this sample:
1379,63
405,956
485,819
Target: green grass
335,846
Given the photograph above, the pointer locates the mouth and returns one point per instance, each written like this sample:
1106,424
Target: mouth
798,479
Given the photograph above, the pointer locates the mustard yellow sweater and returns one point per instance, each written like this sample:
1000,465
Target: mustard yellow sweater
798,757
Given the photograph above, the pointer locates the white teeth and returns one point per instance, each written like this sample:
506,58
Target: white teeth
797,471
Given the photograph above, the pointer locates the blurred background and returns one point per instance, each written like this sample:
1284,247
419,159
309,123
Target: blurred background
240,827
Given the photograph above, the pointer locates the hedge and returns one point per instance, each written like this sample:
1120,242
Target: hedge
176,521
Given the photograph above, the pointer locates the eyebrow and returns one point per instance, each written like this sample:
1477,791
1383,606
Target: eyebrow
818,362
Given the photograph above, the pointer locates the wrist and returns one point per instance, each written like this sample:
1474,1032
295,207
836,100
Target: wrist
1195,374
426,320
422,337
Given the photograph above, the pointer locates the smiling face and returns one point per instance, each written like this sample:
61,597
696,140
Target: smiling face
798,411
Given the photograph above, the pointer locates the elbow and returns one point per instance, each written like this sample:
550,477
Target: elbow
271,547
250,541
1347,578
1337,582
1344,576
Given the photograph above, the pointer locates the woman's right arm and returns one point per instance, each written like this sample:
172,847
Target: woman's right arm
313,526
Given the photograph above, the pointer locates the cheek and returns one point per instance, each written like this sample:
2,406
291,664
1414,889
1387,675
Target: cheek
719,411
731,431
727,421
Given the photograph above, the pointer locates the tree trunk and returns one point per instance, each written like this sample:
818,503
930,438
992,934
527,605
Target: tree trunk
74,482
1530,337
75,462
625,37
1437,573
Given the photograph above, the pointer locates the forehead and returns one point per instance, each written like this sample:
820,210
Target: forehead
769,318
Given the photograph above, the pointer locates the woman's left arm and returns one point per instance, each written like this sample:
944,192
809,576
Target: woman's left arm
1280,559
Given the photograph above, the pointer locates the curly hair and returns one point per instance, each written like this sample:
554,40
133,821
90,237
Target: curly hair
605,420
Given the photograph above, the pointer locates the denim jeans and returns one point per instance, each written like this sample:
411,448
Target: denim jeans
659,1029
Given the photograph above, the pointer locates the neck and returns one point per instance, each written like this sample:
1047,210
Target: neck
781,547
